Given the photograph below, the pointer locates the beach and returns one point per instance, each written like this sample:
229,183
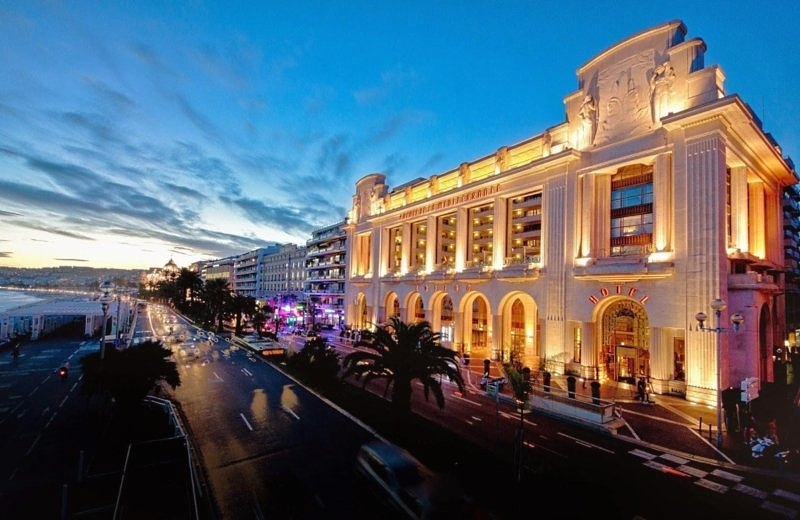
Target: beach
13,298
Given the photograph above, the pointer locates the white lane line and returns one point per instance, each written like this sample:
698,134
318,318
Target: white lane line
33,445
246,422
247,372
216,376
290,412
586,444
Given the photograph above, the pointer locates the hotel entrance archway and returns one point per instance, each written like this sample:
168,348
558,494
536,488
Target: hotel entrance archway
626,341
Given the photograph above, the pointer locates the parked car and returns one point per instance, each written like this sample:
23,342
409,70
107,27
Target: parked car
398,479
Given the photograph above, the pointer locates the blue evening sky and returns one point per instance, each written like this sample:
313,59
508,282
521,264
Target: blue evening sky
136,132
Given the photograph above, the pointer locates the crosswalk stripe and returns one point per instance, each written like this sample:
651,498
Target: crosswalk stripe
727,475
779,509
751,491
713,486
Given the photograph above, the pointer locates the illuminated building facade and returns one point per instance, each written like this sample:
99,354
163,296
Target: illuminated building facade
590,247
325,273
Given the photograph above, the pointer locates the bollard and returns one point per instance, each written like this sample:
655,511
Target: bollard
595,392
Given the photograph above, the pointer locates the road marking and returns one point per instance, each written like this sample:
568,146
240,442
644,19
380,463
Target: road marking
246,422
751,491
247,372
713,486
663,468
695,472
33,444
467,400
788,495
290,412
216,376
779,509
642,454
586,444
727,475
674,458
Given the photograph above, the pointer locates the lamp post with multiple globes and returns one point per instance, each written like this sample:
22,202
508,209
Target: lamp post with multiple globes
718,305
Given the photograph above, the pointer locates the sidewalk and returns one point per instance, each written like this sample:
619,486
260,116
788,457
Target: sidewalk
667,422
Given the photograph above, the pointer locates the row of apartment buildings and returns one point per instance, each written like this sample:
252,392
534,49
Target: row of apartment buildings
589,248
287,274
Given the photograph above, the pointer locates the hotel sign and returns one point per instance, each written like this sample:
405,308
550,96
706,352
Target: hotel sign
618,290
457,200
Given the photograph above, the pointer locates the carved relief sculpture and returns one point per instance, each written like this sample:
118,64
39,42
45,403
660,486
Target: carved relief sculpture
547,141
661,81
588,114
501,160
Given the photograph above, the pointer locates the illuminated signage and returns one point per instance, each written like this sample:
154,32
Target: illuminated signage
618,290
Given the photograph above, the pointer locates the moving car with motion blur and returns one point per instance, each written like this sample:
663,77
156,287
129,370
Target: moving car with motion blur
404,483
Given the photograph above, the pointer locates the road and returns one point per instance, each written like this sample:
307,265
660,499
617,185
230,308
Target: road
273,449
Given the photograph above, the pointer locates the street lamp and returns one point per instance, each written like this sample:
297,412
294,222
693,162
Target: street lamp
105,299
718,305
119,301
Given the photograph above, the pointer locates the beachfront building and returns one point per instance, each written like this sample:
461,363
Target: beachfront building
249,271
325,274
590,247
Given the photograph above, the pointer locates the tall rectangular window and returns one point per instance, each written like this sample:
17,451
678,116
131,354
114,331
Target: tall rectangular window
632,211
524,240
480,236
446,247
395,248
419,239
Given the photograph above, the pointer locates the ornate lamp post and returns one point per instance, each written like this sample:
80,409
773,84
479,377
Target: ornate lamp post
718,305
105,299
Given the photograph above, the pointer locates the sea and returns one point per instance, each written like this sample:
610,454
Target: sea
13,298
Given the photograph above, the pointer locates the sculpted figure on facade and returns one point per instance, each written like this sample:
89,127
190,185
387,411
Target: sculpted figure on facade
463,174
547,142
376,200
661,81
501,160
588,116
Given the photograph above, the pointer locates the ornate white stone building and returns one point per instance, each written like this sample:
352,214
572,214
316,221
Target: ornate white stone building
590,247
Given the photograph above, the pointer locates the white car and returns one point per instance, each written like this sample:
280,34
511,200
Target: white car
406,484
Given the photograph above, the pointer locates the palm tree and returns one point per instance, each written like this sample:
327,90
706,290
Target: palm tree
129,375
240,306
259,320
400,353
189,284
217,293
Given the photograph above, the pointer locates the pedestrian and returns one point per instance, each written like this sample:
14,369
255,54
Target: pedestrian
640,389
